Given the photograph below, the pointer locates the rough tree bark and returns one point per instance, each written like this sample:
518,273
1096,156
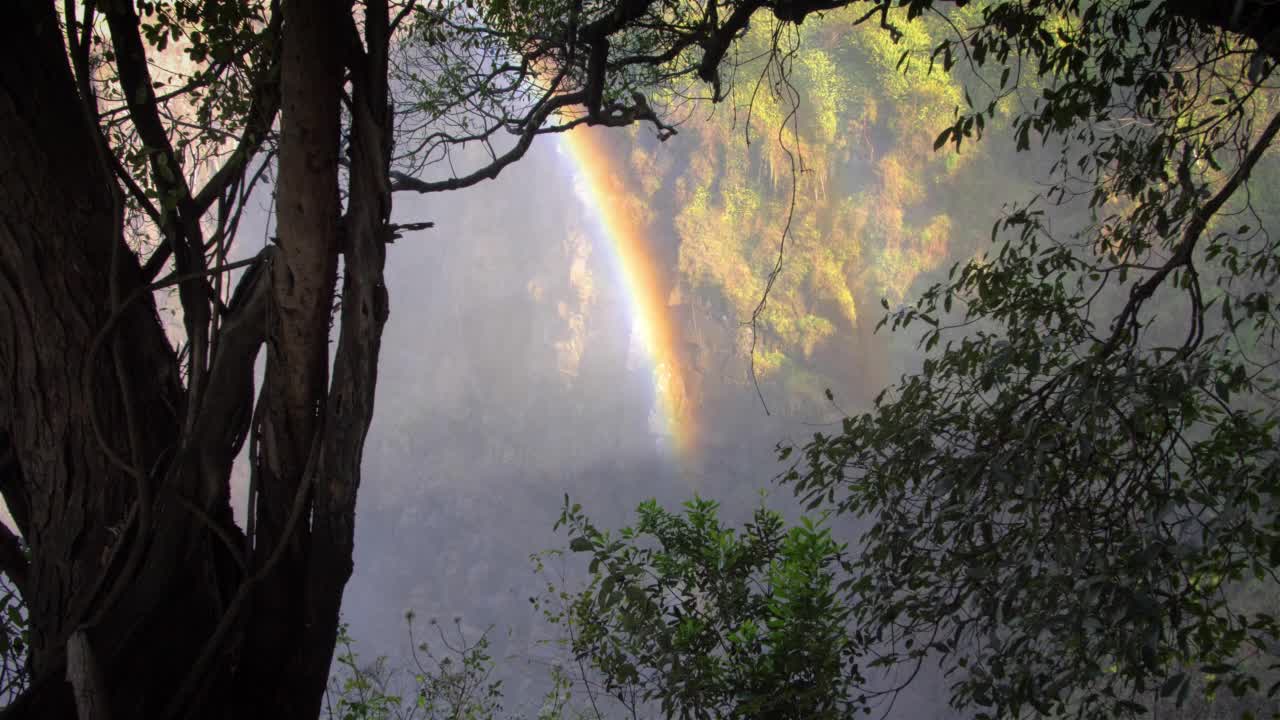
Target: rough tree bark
303,278
114,466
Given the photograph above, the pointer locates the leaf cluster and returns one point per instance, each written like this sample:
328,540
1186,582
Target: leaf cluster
1070,497
705,621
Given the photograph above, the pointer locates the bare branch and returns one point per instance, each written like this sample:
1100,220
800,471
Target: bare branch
1182,254
262,112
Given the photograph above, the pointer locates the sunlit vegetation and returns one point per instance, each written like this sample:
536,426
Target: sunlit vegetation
847,122
683,616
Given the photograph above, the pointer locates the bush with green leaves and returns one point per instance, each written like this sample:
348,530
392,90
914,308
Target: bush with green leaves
451,681
1069,499
449,677
694,619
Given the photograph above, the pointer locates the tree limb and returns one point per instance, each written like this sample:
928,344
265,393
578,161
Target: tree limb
86,679
181,223
1182,254
263,107
529,131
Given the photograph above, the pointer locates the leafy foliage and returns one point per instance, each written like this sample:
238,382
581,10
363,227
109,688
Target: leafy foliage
210,70
705,621
359,692
450,677
1070,498
823,154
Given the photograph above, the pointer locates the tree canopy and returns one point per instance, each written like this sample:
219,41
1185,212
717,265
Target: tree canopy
1074,501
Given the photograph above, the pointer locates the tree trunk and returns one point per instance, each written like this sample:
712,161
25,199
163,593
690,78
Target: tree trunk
117,482
303,283
91,405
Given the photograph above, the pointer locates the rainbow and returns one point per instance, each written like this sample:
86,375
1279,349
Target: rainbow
604,191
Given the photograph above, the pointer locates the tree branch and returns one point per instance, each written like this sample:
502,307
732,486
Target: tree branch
140,98
1182,254
228,401
530,130
263,107
181,224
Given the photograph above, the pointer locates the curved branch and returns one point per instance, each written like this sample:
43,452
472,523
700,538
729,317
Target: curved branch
1182,254
532,128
